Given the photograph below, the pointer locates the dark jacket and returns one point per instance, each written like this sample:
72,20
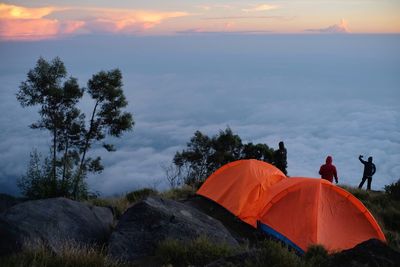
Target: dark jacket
369,168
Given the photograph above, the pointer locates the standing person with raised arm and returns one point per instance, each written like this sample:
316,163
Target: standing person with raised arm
369,171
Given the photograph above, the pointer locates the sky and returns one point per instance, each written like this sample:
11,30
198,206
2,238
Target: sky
38,20
322,76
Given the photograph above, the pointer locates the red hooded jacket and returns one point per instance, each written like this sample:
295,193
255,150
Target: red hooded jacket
328,170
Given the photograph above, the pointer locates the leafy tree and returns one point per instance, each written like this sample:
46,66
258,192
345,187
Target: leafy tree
205,154
107,118
48,87
57,96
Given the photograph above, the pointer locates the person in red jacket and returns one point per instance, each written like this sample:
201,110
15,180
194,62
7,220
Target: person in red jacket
328,170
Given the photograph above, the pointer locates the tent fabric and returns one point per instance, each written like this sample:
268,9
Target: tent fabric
300,211
241,187
314,211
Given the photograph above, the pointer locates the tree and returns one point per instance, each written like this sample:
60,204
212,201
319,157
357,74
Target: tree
205,154
47,86
107,117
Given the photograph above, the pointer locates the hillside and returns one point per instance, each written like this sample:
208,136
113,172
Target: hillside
254,249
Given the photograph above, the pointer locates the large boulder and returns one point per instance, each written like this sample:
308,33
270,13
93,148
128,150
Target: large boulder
373,253
52,222
144,225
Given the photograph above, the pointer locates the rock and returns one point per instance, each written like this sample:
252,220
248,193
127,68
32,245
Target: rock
153,220
241,231
369,253
53,222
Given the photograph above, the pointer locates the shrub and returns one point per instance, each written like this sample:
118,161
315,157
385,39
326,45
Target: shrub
393,239
271,253
197,252
393,190
140,194
391,218
179,193
118,204
316,255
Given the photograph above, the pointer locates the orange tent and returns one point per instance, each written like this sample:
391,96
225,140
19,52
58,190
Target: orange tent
298,211
241,187
307,211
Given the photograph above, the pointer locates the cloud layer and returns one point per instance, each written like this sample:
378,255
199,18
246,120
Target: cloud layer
322,95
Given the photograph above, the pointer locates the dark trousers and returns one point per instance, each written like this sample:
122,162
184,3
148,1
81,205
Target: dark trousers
363,181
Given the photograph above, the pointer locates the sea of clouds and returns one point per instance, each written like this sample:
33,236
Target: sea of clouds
321,94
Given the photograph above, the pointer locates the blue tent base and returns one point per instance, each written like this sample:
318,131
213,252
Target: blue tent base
271,232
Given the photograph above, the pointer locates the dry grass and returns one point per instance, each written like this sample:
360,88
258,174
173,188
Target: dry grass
70,255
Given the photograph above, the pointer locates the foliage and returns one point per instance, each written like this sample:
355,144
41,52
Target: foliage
118,204
36,183
71,255
205,154
57,96
271,253
393,190
197,252
183,192
172,174
317,256
140,194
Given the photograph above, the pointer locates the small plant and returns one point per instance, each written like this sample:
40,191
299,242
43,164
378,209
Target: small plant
183,192
393,190
70,255
197,252
271,253
391,218
140,194
118,204
316,256
393,239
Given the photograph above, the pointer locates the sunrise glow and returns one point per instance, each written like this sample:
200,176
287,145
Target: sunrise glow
27,22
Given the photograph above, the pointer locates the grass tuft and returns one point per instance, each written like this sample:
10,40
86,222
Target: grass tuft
197,252
118,204
181,193
70,255
140,194
272,253
316,256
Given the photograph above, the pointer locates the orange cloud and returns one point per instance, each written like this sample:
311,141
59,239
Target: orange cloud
127,21
18,12
23,23
257,8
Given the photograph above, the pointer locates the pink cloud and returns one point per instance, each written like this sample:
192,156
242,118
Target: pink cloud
23,23
28,29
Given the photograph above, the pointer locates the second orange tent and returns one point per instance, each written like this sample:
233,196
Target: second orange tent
299,211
